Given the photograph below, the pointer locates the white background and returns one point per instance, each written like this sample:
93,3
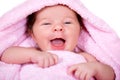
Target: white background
108,10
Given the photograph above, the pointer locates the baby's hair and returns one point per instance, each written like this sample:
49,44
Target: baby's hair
30,22
32,17
80,19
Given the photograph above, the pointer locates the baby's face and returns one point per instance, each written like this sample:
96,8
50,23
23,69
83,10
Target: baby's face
56,28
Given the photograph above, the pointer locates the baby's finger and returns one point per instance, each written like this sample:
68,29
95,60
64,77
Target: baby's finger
55,58
46,62
40,63
82,76
90,77
77,74
72,69
51,61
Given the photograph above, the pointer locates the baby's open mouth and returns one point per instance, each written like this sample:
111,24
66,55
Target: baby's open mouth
58,43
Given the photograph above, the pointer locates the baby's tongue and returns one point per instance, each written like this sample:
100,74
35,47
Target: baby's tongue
57,42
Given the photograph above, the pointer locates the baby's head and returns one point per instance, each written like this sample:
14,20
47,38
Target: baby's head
55,28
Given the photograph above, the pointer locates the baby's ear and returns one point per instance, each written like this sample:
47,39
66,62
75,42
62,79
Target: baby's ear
28,32
81,27
32,35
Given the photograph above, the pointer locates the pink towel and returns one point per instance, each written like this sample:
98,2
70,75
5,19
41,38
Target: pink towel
99,39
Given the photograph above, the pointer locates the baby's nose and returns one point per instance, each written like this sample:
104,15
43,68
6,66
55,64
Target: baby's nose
58,28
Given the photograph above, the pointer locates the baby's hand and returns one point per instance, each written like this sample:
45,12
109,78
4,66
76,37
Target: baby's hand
83,71
44,59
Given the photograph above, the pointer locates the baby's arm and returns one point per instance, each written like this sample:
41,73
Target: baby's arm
21,55
93,68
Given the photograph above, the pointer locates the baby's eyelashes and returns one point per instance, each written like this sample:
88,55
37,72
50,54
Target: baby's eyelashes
68,22
46,23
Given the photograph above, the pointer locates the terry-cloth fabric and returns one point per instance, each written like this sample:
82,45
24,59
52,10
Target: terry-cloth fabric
98,39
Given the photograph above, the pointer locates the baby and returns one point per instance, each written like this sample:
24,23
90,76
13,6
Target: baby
57,28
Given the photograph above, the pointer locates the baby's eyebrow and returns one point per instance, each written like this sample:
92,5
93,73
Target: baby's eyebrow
43,19
71,18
